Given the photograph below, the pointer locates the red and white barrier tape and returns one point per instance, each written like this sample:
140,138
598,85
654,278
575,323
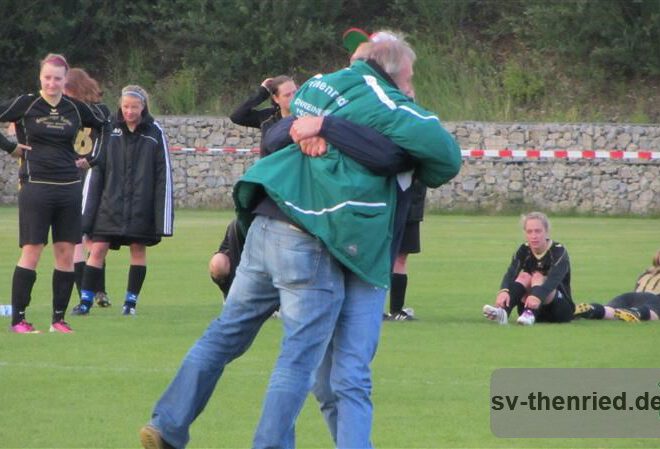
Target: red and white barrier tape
476,153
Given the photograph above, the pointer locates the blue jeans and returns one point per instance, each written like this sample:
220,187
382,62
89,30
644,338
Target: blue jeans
343,381
280,266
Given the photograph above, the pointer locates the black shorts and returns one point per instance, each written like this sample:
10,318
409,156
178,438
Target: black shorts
45,206
636,299
410,240
117,241
560,310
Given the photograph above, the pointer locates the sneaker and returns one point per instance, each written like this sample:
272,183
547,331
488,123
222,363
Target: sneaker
102,299
24,328
128,310
583,310
409,311
61,326
80,309
400,316
150,438
495,314
387,316
626,315
527,318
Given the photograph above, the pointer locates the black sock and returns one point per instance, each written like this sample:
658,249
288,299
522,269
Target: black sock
90,284
79,269
136,275
62,287
517,292
21,291
643,311
101,284
398,292
598,313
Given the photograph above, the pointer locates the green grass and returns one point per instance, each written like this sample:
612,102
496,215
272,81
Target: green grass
95,388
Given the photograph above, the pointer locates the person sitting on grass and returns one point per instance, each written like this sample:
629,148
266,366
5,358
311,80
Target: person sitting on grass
643,304
538,281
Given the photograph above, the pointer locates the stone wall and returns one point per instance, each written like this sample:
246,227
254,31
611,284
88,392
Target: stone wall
598,186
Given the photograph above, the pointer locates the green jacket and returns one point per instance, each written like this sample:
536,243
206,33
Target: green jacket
333,197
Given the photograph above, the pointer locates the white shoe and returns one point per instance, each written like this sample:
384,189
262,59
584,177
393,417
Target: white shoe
409,311
527,318
496,314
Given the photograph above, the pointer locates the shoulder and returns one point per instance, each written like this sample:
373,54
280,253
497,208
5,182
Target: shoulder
523,250
558,249
23,101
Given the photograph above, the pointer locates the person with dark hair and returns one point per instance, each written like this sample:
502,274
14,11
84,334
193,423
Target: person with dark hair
642,304
50,187
538,280
81,86
135,198
223,263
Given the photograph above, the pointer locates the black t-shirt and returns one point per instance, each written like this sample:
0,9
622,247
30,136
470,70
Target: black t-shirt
51,131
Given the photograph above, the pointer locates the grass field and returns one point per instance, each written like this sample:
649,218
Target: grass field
95,388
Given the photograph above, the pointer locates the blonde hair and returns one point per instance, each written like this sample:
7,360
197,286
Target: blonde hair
540,216
55,59
656,259
133,90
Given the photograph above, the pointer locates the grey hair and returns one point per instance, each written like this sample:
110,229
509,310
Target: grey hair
540,216
389,53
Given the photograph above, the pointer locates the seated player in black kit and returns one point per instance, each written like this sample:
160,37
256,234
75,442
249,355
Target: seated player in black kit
643,304
538,281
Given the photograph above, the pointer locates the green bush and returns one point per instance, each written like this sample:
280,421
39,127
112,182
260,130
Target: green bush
177,94
521,84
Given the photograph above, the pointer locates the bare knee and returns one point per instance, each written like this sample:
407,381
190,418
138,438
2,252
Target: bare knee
400,264
30,255
138,254
524,279
219,266
97,254
64,255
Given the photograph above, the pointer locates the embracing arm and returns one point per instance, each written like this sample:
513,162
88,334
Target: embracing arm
365,145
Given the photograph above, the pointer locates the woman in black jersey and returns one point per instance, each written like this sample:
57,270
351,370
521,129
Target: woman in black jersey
222,266
538,280
643,304
134,196
50,187
80,86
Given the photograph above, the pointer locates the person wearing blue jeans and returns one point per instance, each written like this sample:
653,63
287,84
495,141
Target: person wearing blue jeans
283,266
343,382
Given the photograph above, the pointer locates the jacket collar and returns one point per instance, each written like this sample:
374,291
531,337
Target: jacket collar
147,119
369,65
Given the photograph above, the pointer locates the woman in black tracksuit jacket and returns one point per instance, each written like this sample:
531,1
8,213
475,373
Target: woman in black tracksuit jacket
135,201
222,266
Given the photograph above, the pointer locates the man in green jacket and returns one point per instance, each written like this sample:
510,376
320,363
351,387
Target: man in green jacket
320,238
